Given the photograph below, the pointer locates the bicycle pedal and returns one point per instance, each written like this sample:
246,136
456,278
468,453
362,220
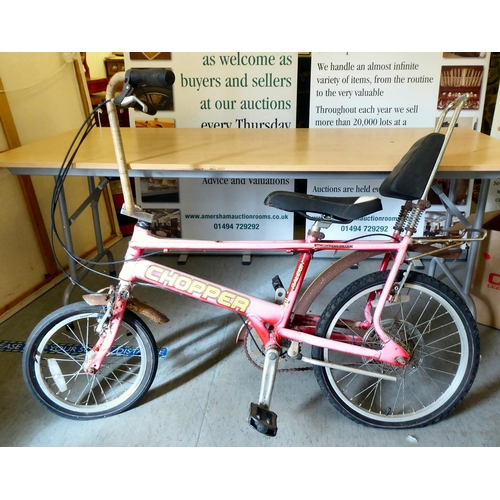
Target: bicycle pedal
263,420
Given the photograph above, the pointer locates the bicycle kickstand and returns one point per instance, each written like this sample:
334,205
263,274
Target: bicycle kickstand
261,417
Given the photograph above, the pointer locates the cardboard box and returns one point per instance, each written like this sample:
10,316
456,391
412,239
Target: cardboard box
485,286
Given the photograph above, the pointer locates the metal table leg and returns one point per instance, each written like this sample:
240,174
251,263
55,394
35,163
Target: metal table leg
67,221
464,287
68,240
478,223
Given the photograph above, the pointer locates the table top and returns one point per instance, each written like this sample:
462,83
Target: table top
282,151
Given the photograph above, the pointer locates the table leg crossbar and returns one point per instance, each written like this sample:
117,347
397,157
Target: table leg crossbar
67,221
464,287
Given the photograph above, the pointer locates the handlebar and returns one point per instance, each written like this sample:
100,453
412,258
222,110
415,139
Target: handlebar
142,79
149,77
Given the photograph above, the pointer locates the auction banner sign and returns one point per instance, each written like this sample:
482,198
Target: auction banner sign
221,90
233,209
392,89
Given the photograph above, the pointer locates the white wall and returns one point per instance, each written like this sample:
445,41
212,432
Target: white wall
95,61
43,95
495,127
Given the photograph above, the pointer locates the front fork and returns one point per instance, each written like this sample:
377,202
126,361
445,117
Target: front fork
110,324
108,328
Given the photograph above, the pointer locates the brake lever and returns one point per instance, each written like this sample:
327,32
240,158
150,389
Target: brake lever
132,100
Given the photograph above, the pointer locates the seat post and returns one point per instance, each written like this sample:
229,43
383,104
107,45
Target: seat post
315,233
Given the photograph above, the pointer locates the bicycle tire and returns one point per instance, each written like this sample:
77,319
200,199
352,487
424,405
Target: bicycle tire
55,352
439,331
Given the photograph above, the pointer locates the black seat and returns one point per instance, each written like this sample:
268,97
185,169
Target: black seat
343,209
409,177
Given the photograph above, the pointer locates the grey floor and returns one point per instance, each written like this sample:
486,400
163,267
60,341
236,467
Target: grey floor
204,386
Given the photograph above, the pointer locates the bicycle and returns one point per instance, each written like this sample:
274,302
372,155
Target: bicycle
394,349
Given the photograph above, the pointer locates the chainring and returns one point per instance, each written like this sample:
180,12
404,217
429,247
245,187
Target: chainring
254,351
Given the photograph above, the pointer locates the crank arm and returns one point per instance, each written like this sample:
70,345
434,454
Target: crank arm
326,364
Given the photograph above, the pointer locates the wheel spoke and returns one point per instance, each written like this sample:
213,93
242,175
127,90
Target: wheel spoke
66,339
437,331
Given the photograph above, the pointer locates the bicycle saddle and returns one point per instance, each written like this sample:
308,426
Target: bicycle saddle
343,209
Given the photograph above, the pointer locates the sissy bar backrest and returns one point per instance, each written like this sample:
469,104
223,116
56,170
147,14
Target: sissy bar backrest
412,178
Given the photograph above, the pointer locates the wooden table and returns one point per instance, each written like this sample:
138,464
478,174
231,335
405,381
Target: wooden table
294,153
298,153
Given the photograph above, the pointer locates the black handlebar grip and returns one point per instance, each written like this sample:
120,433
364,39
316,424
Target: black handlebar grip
150,77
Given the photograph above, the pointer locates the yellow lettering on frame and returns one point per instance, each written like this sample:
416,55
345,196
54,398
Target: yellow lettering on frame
241,304
211,292
153,273
183,283
226,299
197,287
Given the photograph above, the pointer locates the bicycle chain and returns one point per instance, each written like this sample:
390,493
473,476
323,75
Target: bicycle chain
280,370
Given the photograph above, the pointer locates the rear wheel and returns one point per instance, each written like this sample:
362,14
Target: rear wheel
54,357
433,324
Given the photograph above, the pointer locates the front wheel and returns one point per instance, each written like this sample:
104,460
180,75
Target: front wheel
432,323
54,357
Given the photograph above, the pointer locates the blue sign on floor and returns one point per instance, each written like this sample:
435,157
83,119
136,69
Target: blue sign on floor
11,346
123,351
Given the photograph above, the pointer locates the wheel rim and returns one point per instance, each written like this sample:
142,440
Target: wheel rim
61,376
434,334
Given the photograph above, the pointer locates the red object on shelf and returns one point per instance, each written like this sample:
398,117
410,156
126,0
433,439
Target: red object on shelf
97,85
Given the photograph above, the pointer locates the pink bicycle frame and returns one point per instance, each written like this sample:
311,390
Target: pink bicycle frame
271,321
260,313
